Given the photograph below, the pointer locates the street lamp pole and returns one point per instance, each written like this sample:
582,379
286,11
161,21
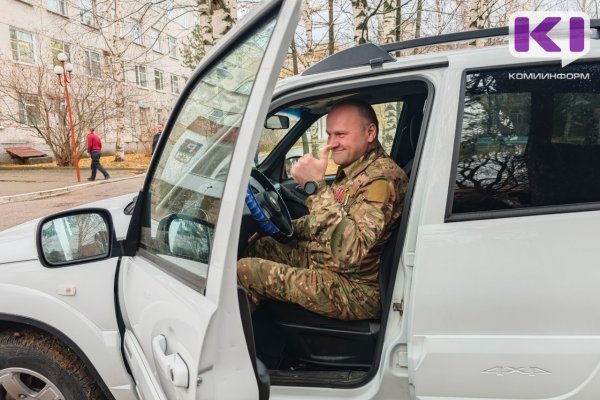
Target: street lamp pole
63,71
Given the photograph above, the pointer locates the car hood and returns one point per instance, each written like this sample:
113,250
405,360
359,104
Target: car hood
18,243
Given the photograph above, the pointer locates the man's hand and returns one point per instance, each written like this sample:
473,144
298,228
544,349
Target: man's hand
308,168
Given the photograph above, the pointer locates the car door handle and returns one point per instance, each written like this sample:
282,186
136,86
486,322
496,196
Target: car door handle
170,365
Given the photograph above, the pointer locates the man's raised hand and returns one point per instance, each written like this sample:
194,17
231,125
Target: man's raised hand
309,168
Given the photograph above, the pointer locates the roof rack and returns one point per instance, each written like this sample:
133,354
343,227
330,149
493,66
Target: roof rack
375,55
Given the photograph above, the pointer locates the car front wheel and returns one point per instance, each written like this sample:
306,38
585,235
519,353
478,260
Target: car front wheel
37,366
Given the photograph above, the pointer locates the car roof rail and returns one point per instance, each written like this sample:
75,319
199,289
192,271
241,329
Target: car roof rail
375,55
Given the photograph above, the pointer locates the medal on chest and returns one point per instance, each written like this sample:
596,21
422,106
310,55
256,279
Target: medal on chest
341,196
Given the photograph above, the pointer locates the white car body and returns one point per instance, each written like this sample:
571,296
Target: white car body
77,304
498,308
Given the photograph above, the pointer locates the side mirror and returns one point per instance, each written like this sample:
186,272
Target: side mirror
288,164
75,237
186,237
277,122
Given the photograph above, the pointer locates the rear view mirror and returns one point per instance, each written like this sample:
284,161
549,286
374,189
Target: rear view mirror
277,122
74,237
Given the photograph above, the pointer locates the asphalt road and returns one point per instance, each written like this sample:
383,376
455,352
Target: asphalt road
17,212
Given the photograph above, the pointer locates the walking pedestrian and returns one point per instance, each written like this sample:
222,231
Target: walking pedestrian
159,129
94,148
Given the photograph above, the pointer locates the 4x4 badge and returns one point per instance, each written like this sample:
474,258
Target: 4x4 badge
503,371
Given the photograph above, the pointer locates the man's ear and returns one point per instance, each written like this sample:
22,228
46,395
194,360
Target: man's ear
371,133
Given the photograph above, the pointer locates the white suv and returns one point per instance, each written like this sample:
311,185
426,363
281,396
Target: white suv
489,283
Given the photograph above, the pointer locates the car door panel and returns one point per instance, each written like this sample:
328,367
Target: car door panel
147,387
506,314
503,294
148,287
183,336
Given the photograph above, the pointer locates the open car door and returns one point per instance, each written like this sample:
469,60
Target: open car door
177,288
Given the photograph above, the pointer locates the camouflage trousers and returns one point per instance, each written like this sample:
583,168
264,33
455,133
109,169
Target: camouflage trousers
285,272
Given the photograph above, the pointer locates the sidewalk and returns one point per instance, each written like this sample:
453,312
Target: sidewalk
33,183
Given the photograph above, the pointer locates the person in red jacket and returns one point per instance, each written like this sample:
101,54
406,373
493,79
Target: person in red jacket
94,148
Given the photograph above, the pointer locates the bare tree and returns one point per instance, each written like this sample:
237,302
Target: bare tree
307,15
330,27
360,20
33,100
391,21
418,18
216,19
126,36
134,35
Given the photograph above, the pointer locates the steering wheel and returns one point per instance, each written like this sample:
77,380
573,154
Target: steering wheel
268,208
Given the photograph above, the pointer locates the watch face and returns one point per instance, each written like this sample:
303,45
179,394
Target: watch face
310,187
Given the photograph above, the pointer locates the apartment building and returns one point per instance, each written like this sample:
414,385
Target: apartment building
127,69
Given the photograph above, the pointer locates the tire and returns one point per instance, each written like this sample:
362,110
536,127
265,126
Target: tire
37,366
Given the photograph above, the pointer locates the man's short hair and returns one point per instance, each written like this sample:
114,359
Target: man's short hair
364,108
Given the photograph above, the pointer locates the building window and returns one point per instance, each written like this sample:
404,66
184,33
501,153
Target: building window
156,41
527,141
172,43
123,67
186,19
140,76
92,64
56,47
158,80
170,8
156,4
136,32
57,6
21,43
87,12
174,84
29,111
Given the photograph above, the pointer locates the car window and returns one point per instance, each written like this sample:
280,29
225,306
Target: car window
529,137
269,137
187,186
315,137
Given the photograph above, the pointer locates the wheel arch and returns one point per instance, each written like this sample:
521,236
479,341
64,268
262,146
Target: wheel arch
17,322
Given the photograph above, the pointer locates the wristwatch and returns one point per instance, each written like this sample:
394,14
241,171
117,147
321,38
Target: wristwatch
311,187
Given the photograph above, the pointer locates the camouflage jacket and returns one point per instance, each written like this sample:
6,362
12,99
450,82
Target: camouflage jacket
349,221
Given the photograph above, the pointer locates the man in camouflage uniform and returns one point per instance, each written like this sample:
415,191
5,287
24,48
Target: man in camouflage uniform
331,266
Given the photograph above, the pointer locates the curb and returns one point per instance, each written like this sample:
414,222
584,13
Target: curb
59,191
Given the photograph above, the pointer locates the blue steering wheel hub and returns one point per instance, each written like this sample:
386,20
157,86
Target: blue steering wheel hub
268,208
259,215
